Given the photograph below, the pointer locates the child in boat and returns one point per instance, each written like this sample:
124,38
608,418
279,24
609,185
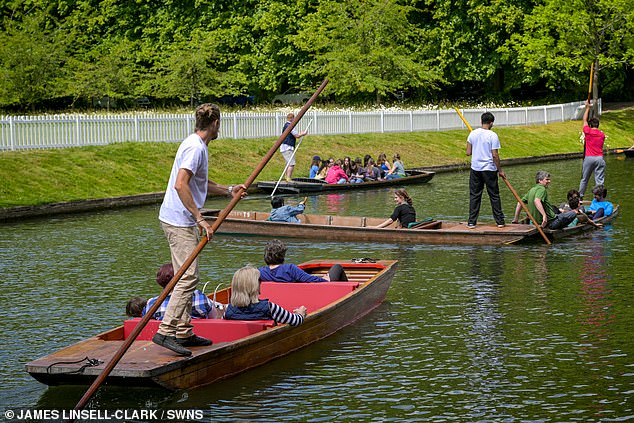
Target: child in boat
245,301
404,213
323,170
135,307
278,271
574,204
282,213
202,306
357,172
599,207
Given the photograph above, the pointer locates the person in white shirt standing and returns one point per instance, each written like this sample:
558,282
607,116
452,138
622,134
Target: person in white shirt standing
181,219
483,145
288,146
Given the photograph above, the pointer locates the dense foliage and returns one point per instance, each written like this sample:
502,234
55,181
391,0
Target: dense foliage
56,54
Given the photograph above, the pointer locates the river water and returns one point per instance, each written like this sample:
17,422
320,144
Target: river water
528,333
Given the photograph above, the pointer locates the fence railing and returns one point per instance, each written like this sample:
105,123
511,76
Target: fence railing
56,131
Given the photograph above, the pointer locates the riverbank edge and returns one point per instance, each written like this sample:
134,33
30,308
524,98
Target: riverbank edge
10,214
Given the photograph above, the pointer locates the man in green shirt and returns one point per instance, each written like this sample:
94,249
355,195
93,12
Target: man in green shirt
536,200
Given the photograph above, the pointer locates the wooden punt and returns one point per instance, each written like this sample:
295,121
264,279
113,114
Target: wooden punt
309,185
581,228
629,152
357,228
238,345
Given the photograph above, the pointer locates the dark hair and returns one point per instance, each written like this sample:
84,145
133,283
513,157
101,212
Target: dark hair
404,195
593,122
275,252
134,307
206,114
365,159
573,202
165,274
277,202
572,193
487,117
600,190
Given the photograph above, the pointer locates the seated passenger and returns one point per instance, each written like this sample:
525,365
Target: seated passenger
278,271
599,207
398,170
135,306
282,213
336,175
404,212
245,301
575,205
347,166
357,172
323,170
202,306
314,167
384,166
571,194
372,173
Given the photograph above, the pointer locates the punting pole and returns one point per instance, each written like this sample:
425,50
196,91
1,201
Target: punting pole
287,163
221,217
508,184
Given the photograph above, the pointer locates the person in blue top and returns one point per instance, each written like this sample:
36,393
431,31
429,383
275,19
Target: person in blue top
245,302
314,167
599,207
282,213
278,271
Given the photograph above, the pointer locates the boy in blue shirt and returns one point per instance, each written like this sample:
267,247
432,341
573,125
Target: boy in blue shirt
599,207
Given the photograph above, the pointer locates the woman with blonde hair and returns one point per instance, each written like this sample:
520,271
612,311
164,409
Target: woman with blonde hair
245,303
404,212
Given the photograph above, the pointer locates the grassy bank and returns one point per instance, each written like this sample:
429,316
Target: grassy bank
49,176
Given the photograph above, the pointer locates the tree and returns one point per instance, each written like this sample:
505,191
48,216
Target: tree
560,40
32,60
365,47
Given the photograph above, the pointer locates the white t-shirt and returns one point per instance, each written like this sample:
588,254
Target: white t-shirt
482,142
192,155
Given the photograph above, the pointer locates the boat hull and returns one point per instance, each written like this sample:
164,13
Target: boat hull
147,364
308,185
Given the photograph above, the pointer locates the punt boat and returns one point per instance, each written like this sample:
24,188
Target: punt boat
315,186
357,228
238,345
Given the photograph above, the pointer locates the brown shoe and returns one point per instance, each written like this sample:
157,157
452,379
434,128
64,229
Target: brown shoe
170,343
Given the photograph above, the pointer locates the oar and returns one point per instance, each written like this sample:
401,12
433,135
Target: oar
223,214
290,160
517,197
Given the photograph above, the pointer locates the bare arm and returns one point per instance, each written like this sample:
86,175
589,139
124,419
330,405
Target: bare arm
586,113
518,209
540,208
185,194
469,150
386,223
496,160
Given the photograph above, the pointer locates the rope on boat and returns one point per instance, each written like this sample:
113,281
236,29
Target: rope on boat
90,362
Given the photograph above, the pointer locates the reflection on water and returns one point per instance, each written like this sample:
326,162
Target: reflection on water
514,333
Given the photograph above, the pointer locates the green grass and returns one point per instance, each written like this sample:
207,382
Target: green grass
50,176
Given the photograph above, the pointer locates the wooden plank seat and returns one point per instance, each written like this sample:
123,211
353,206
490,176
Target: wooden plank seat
354,221
218,330
311,295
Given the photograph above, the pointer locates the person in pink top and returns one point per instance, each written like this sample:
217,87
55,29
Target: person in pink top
593,152
336,175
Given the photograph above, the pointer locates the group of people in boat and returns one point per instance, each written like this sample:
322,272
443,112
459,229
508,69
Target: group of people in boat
245,303
348,171
189,184
483,145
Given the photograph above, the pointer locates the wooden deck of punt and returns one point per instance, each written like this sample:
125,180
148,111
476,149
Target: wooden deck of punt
357,228
309,185
238,345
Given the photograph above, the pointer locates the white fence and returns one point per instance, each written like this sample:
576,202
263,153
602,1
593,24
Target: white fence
32,132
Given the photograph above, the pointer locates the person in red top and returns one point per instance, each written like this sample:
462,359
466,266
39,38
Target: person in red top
336,175
593,152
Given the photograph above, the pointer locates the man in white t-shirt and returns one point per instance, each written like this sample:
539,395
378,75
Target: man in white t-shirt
181,218
483,145
288,145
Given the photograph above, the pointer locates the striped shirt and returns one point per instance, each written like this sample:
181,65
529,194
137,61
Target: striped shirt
282,315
